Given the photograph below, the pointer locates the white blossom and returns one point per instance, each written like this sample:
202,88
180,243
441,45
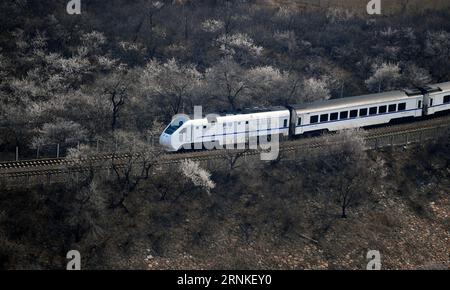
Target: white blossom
238,41
61,131
79,154
416,76
197,175
93,39
384,77
130,46
287,39
336,14
157,4
389,32
284,13
171,82
315,89
265,73
106,63
212,25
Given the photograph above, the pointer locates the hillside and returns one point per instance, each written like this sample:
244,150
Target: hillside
112,78
359,6
250,221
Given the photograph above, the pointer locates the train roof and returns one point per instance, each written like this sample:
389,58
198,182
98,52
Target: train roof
443,86
341,103
243,115
252,110
355,101
245,111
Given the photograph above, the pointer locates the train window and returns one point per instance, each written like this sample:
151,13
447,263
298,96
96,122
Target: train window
431,102
446,99
419,105
362,112
246,122
402,106
353,113
392,108
373,111
299,121
334,116
285,123
343,115
314,119
224,124
324,118
204,127
382,109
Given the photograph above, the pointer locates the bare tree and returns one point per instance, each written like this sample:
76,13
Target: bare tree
226,82
405,5
232,157
60,131
347,175
132,162
150,10
437,49
115,88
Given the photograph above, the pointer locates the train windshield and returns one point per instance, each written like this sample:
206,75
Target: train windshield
172,128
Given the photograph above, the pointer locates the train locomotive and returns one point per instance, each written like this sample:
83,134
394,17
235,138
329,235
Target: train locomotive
185,132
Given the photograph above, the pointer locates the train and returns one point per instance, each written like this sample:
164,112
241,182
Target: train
187,132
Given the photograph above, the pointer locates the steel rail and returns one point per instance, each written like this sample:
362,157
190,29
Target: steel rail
61,165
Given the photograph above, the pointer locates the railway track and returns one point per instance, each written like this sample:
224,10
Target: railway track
62,165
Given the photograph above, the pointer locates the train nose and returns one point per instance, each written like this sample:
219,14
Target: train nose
164,141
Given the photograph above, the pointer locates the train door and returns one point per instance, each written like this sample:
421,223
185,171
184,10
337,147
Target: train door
293,121
425,105
184,135
428,101
420,106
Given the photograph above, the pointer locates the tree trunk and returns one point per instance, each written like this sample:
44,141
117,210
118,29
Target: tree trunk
114,121
344,215
232,103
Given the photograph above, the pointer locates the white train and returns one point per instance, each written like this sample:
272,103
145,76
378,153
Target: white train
331,115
